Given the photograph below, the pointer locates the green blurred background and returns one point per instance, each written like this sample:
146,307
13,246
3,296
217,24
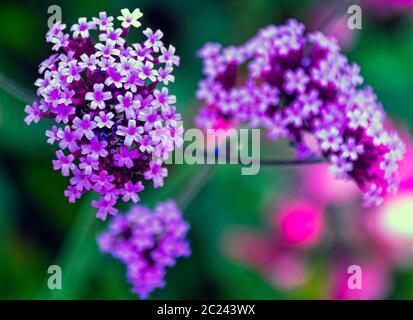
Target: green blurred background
38,227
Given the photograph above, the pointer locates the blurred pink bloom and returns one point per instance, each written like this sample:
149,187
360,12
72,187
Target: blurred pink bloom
338,26
282,267
220,131
341,32
321,185
392,224
299,223
392,227
374,280
288,270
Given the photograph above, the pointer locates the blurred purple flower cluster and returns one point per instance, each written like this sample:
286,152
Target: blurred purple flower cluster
297,84
115,119
385,8
147,242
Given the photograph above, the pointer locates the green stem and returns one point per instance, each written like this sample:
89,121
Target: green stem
75,255
15,89
269,162
192,189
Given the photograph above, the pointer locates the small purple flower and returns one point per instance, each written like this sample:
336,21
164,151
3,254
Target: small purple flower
115,77
165,76
33,113
64,163
340,167
125,157
55,30
84,127
49,63
72,193
148,72
168,56
163,99
154,39
72,72
104,120
68,139
88,62
98,97
106,50
296,81
102,181
156,173
81,180
63,113
330,139
146,143
81,29
358,118
350,149
60,41
130,192
310,103
105,206
103,22
95,148
128,105
147,242
113,36
89,164
52,135
131,133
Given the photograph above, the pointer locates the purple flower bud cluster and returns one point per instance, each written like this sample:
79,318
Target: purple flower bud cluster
147,242
115,119
295,85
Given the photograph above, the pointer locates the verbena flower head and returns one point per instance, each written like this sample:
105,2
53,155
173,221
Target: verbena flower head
147,242
115,119
298,84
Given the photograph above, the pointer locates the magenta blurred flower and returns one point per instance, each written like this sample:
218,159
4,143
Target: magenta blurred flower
298,84
147,242
374,280
110,102
320,186
300,223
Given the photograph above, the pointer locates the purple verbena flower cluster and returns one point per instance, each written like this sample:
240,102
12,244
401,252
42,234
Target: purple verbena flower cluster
115,119
298,84
147,242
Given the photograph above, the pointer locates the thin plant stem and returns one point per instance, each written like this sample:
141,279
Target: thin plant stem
192,189
266,162
292,162
326,22
15,89
71,251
